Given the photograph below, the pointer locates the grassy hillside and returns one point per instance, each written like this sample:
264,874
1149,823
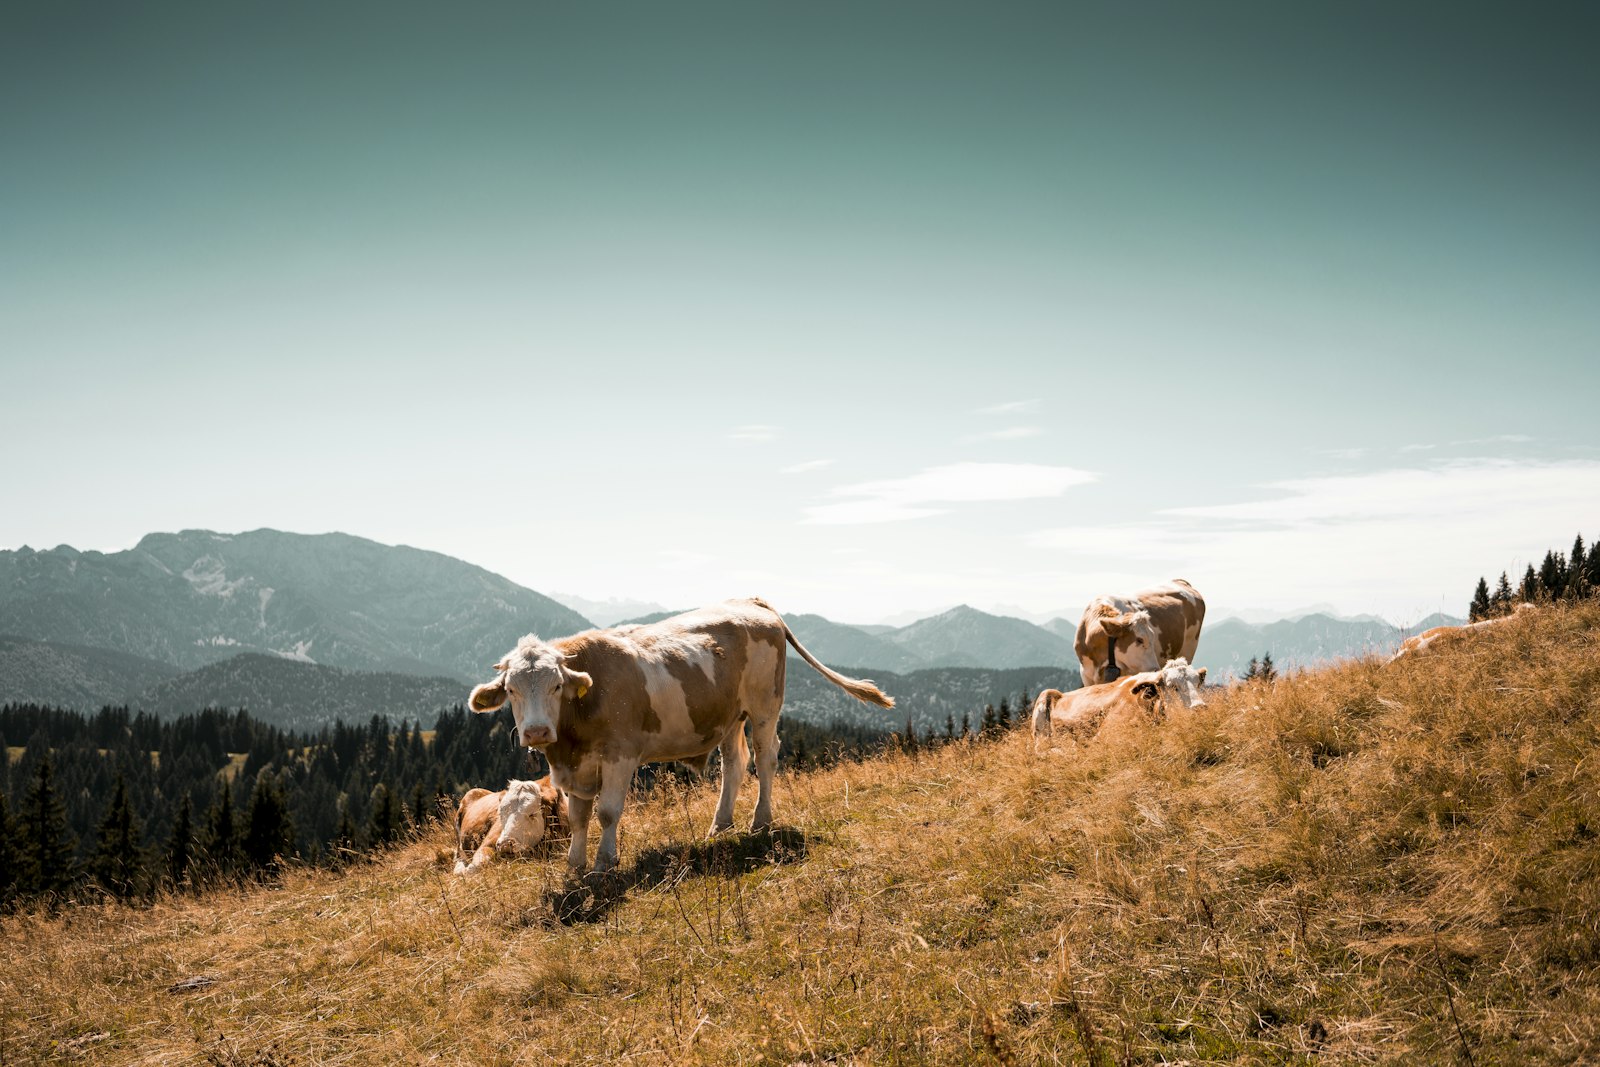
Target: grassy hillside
1366,864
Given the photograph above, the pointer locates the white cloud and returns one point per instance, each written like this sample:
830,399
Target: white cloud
1418,448
1010,407
754,432
1010,433
808,465
1497,439
899,499
1344,453
1386,540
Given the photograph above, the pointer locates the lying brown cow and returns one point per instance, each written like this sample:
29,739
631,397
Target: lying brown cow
602,702
1429,639
511,821
1083,713
1122,634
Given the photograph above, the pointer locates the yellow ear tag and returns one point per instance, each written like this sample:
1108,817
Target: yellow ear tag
583,691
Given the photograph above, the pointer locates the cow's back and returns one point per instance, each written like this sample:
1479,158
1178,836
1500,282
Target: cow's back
1178,612
671,689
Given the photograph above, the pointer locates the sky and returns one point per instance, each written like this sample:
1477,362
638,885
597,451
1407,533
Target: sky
867,309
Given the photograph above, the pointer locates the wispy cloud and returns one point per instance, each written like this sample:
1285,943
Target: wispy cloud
1010,407
808,465
1010,433
1497,439
916,496
1384,535
1418,448
1344,453
754,432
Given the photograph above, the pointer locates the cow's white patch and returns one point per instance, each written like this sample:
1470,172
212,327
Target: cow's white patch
671,705
756,693
521,816
1182,683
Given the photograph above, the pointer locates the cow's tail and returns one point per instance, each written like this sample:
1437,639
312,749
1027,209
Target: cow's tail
865,691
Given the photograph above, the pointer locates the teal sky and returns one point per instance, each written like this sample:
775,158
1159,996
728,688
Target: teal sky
863,308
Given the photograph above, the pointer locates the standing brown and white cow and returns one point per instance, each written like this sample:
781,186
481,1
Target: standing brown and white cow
1122,634
602,702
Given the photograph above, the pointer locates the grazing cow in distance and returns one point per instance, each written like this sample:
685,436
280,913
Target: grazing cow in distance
1122,634
1428,639
602,702
510,821
1083,713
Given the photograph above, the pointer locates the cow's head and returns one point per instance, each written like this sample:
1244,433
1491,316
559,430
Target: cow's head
521,816
1131,646
536,680
1175,684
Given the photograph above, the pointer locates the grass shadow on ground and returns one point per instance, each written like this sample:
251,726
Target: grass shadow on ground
725,856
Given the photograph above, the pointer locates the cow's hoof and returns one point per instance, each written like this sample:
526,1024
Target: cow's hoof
717,829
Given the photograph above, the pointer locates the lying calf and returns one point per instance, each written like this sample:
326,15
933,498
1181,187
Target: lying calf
1083,713
513,820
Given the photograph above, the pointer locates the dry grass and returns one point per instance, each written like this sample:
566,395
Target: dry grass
1359,865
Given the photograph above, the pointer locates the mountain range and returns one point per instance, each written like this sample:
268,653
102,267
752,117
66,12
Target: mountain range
193,619
196,597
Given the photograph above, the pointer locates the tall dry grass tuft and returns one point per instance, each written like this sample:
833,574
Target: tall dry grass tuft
1366,864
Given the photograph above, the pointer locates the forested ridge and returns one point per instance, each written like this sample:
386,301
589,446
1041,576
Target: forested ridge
124,803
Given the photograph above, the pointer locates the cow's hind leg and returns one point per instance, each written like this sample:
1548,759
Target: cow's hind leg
615,780
764,739
734,758
578,809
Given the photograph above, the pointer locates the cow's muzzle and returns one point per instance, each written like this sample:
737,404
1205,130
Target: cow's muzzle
537,737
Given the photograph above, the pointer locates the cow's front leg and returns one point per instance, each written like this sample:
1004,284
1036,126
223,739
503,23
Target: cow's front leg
615,780
578,809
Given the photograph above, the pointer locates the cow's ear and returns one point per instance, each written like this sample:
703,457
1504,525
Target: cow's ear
1117,626
1202,673
1145,690
577,683
488,697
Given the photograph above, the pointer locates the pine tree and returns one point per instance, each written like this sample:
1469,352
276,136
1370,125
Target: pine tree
1553,574
419,807
908,740
1253,670
1530,590
1479,609
118,860
47,867
343,846
269,834
990,722
222,848
966,724
1577,571
1592,567
1268,671
180,844
1003,719
10,857
1502,595
385,826
949,727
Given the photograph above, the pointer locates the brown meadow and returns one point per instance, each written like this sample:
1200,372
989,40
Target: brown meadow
1362,864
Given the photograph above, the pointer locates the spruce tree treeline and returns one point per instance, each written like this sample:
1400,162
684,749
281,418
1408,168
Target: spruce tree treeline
119,803
1560,577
